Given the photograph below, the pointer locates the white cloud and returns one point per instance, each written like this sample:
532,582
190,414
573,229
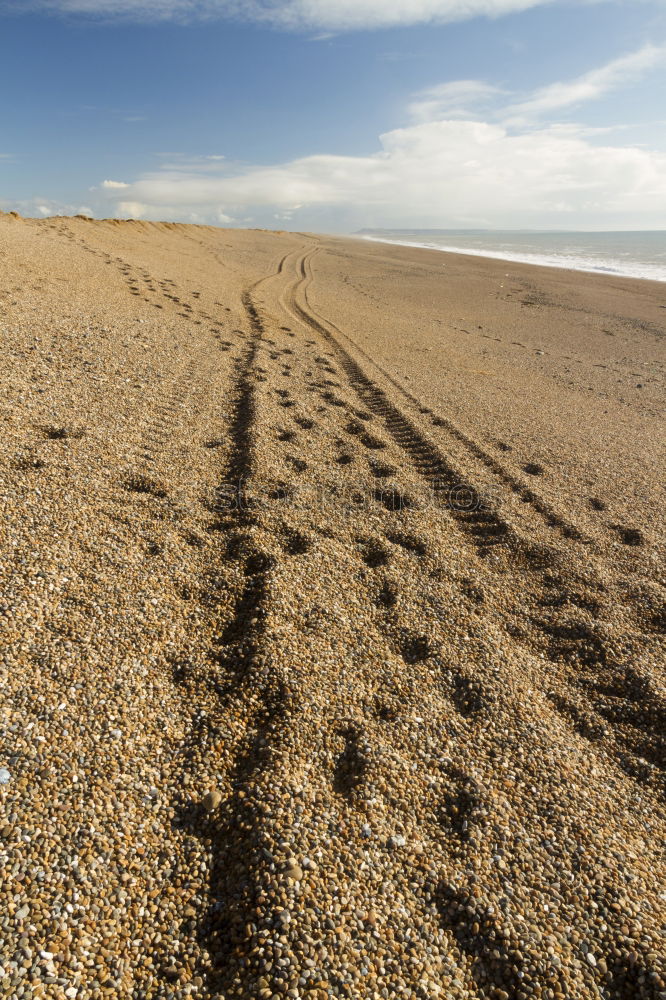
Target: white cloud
181,162
452,166
43,206
465,98
192,212
131,210
435,174
340,15
299,15
454,99
592,85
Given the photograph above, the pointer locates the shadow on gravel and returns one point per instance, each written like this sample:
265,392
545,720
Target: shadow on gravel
234,836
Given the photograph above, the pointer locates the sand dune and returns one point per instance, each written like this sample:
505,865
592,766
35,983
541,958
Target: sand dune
332,612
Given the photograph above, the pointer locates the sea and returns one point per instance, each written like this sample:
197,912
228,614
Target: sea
629,254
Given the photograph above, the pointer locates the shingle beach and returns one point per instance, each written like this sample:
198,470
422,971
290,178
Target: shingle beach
332,613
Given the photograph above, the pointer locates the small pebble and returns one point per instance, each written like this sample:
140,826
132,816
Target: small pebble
212,800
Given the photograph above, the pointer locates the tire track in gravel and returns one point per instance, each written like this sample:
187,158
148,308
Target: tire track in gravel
253,881
444,481
521,489
598,676
490,953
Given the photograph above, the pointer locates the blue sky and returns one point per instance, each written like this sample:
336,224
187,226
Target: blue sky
331,115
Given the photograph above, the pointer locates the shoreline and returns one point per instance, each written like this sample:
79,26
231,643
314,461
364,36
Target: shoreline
517,258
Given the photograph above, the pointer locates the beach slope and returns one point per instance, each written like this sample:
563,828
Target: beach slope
332,605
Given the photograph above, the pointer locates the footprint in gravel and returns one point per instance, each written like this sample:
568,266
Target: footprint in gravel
472,591
415,648
648,602
194,540
503,447
331,398
281,492
562,598
142,484
387,709
597,504
630,536
286,435
409,542
296,543
222,525
533,469
462,804
29,463
465,693
480,936
381,470
583,722
373,553
352,763
393,499
305,423
63,433
287,403
438,422
344,459
298,463
372,442
387,597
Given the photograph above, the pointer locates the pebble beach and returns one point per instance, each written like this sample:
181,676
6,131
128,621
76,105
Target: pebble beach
332,612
